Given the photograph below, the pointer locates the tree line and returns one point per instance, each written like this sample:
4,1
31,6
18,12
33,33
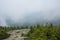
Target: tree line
37,32
47,32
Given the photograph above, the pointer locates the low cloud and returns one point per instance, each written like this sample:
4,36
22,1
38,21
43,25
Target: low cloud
22,12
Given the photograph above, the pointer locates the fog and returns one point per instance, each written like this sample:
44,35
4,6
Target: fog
26,12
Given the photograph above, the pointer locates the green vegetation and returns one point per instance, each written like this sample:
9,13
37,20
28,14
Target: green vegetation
3,33
37,32
47,32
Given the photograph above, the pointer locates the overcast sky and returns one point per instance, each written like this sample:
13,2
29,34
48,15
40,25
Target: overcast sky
29,11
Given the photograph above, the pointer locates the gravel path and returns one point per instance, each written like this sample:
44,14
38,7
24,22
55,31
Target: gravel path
18,38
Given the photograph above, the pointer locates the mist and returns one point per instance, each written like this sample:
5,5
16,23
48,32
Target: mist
28,12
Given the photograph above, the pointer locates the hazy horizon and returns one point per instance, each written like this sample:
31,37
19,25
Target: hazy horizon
26,12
